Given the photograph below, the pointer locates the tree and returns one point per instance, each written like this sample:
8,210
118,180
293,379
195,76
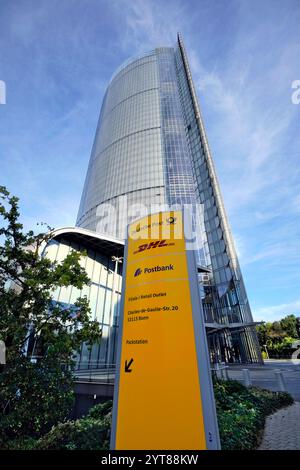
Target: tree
278,336
33,397
276,333
288,324
262,334
266,334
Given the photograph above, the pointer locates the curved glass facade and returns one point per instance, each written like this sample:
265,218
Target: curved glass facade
127,153
151,147
103,293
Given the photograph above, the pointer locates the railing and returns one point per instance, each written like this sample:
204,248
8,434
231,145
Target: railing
106,373
93,372
219,370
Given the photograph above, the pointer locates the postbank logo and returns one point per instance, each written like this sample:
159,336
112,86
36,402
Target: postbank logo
154,269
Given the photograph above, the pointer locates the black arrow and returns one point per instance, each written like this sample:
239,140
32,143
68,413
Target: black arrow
127,365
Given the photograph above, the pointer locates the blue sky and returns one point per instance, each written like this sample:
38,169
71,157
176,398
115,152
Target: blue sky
56,58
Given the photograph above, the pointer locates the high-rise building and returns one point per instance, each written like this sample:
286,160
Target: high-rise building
151,147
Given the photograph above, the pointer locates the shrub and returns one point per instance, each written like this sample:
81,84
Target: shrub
22,443
91,432
33,398
241,415
101,410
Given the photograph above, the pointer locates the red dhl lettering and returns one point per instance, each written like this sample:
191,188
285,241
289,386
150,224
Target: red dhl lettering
149,246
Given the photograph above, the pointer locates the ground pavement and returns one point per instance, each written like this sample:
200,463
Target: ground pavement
282,430
264,375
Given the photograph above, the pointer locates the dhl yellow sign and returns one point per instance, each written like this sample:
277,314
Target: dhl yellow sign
158,401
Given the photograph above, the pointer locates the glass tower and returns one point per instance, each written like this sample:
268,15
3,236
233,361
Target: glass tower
151,147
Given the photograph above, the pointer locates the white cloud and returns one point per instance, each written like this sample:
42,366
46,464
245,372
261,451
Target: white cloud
250,121
251,132
296,203
276,312
243,70
250,118
150,24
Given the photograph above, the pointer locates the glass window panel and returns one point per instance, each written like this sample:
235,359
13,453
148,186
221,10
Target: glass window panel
51,250
62,252
103,345
64,295
100,304
75,293
94,356
85,356
107,307
114,339
89,264
103,276
85,292
110,278
93,299
97,269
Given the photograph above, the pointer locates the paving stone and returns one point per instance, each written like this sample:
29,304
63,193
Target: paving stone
282,430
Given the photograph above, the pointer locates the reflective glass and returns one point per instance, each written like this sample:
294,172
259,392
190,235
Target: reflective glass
151,146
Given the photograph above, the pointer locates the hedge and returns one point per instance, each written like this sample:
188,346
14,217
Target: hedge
241,415
91,432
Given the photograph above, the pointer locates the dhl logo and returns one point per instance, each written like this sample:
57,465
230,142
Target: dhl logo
152,245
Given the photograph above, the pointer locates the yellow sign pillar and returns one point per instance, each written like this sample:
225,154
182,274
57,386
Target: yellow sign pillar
157,402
